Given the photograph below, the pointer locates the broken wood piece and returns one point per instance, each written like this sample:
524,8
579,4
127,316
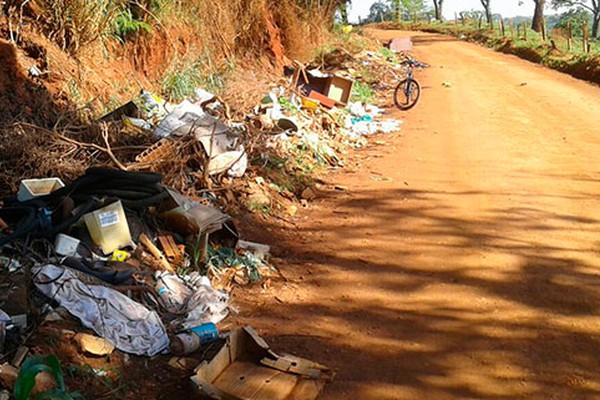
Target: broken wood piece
19,357
164,263
173,252
146,259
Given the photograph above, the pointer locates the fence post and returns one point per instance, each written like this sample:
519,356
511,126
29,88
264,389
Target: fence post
525,31
586,38
512,29
544,33
569,36
501,23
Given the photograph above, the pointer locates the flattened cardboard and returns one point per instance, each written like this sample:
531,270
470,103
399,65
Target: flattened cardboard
247,369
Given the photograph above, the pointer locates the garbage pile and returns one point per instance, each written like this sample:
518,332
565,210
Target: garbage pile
115,250
145,255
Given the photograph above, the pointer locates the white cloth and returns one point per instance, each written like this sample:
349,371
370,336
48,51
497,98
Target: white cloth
128,325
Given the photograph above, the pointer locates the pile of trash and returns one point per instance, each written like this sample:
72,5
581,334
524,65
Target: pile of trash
145,255
134,261
113,229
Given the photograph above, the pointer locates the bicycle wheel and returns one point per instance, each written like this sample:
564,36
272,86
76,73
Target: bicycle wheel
407,94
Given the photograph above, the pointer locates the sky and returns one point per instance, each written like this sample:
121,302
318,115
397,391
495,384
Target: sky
507,8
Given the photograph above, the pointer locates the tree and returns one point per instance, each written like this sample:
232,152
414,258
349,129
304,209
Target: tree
437,5
488,10
592,6
343,8
379,11
575,18
412,8
538,15
397,7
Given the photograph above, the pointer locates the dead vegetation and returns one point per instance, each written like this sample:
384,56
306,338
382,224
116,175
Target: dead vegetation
234,48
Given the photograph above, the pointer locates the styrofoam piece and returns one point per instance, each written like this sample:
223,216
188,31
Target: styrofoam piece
32,188
65,245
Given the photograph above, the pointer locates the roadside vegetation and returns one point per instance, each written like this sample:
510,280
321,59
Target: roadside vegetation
566,41
107,51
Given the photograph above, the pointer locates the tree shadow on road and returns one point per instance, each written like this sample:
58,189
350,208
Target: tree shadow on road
421,301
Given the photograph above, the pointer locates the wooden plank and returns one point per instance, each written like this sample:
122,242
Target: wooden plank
145,240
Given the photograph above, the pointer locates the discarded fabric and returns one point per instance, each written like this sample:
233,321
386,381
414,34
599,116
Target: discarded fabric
128,325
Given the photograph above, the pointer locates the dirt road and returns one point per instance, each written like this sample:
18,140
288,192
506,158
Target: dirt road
463,260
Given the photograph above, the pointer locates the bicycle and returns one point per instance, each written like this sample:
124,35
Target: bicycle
408,90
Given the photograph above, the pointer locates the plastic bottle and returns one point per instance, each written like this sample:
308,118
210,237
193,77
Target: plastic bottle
172,292
191,340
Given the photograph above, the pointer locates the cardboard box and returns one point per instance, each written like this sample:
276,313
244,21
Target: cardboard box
245,368
339,89
331,87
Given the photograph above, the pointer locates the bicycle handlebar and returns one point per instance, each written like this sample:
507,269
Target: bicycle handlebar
414,63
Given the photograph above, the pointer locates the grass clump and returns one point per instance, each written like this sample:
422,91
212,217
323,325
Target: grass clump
362,92
75,24
183,78
126,26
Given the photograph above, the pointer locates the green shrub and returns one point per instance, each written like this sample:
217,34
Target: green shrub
127,27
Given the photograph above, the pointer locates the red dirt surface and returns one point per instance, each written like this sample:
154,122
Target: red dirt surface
462,261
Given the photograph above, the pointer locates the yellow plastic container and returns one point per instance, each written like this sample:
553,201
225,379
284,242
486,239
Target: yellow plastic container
108,227
310,104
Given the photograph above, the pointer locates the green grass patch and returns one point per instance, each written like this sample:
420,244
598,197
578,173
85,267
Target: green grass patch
362,92
180,81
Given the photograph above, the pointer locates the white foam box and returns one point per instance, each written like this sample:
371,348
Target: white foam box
32,188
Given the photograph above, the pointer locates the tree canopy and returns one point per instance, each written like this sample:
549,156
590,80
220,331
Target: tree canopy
593,6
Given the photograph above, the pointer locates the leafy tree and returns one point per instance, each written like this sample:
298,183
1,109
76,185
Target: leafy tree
593,6
343,9
413,7
379,11
396,10
437,6
575,17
